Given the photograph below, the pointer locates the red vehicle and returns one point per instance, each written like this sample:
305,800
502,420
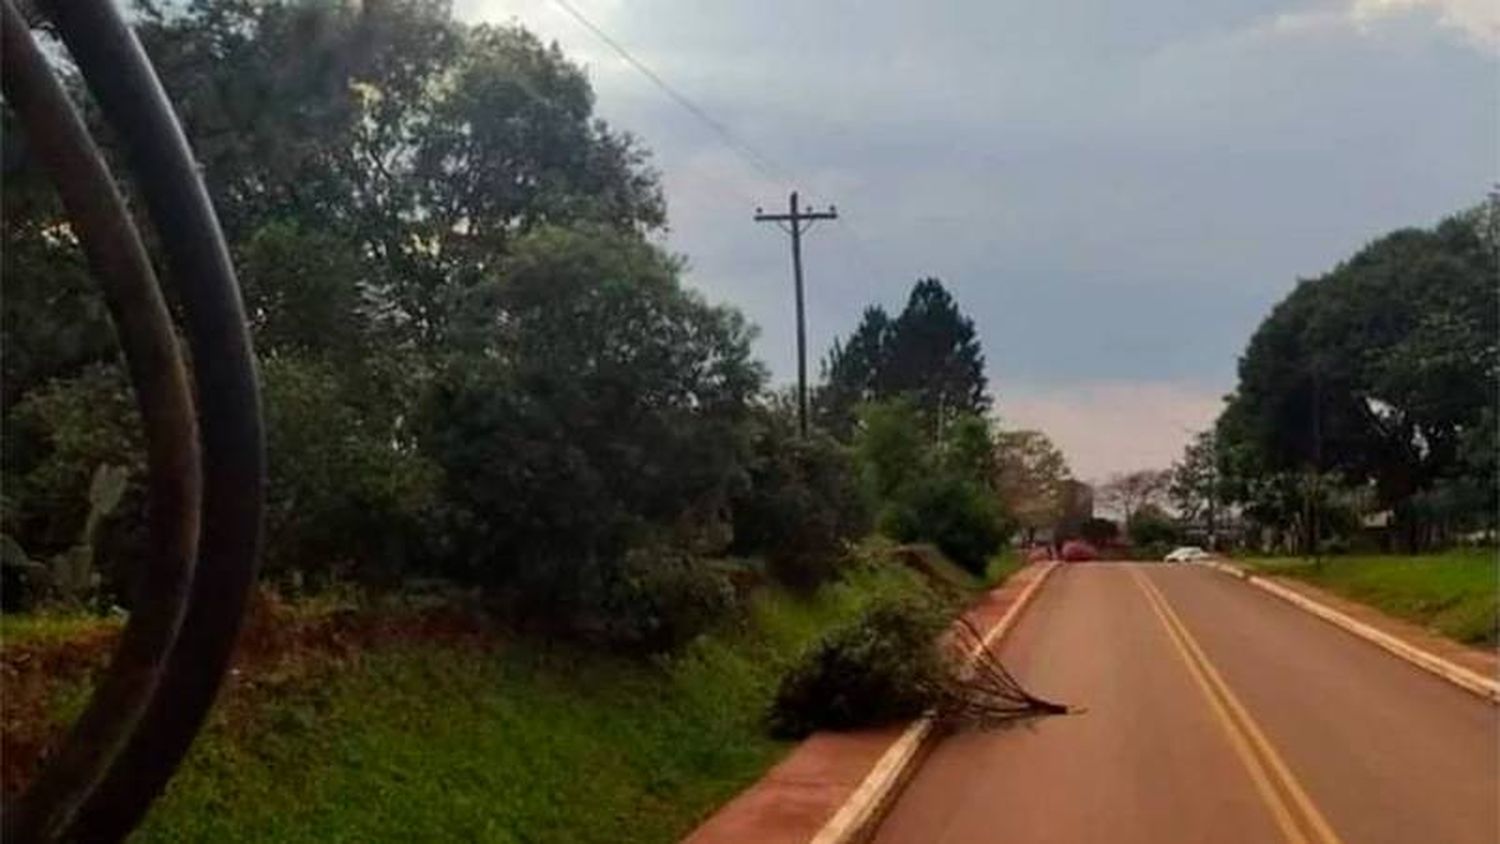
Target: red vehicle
1078,551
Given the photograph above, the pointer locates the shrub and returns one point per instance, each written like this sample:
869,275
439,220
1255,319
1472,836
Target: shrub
960,517
930,492
879,668
801,505
662,598
345,497
57,439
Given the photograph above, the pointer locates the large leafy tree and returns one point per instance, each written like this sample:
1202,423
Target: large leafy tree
590,400
378,168
428,144
1380,371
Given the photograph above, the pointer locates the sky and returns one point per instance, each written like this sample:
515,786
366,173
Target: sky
1116,193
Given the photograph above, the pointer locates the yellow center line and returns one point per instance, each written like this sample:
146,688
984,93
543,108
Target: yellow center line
1273,779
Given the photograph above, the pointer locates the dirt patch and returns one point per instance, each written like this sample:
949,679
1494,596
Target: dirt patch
282,644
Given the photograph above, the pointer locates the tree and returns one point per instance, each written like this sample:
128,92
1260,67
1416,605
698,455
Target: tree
1127,492
929,354
1031,473
801,502
591,403
934,355
1380,370
929,491
853,372
430,145
1198,487
1150,524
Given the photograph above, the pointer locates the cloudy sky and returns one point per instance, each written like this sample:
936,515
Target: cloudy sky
1115,192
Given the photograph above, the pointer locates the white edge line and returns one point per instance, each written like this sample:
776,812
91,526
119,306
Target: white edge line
857,812
1456,674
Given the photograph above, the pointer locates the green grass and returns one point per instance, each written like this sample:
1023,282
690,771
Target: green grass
1002,566
1456,594
44,627
522,743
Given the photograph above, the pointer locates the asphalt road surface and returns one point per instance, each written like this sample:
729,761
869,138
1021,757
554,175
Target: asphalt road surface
1215,714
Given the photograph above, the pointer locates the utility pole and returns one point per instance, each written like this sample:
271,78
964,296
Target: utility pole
795,222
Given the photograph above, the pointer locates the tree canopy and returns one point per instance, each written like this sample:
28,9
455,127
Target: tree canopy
1380,372
929,353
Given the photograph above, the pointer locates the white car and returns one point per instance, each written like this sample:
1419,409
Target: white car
1187,554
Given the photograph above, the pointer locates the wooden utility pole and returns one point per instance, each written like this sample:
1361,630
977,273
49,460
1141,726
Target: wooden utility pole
795,222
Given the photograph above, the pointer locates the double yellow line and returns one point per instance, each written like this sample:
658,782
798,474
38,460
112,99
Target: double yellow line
1296,816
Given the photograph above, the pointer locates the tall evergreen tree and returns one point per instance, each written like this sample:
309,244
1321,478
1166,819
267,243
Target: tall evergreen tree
929,355
934,355
852,372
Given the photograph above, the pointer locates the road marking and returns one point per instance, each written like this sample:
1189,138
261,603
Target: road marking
1273,779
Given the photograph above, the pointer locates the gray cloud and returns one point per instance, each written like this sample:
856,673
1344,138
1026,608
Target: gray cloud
1115,192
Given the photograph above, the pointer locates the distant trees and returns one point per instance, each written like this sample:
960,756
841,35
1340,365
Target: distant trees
929,354
1128,492
1380,373
1031,477
910,394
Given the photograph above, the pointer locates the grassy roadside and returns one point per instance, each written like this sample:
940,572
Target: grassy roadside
505,742
1456,594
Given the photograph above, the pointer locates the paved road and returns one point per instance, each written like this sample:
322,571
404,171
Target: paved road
1215,713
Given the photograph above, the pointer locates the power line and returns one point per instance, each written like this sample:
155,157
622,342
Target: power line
762,163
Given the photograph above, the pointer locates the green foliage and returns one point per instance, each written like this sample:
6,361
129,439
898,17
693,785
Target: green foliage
929,355
890,447
345,498
875,669
935,355
1379,372
1456,594
1151,525
53,321
593,398
957,515
73,474
935,492
661,598
801,504
853,373
512,743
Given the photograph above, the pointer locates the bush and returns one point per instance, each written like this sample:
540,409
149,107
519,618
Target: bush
57,438
961,518
345,498
882,667
929,492
663,598
801,505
